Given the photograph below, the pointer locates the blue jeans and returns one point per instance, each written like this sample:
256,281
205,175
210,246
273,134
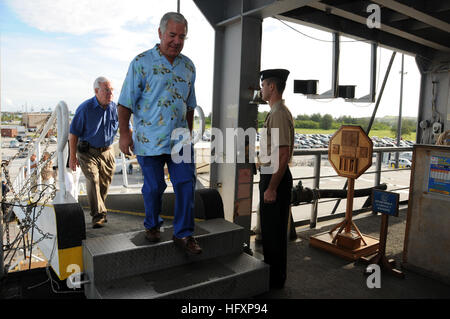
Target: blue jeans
182,176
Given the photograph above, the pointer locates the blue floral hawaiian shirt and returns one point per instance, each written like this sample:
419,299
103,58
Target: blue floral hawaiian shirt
159,94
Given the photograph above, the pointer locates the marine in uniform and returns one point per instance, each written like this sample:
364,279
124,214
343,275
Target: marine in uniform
275,187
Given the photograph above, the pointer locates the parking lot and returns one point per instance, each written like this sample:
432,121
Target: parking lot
307,141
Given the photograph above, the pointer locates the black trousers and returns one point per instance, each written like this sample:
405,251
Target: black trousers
274,227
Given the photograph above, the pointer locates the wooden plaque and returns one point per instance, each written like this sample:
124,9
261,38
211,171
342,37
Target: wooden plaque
350,151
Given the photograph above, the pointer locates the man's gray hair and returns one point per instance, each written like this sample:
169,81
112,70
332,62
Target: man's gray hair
100,79
174,16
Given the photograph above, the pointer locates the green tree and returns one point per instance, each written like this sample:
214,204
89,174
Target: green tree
306,124
303,117
326,122
408,126
208,119
316,117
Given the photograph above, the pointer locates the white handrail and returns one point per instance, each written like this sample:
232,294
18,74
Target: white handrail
61,115
63,136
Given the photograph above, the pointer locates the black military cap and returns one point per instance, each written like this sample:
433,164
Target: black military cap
281,74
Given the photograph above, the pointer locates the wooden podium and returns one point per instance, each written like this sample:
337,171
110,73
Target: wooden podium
350,153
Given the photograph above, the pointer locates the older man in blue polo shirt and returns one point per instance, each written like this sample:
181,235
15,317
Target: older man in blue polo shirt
92,132
159,91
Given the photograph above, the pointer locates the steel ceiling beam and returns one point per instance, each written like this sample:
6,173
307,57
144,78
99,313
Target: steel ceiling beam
383,27
415,14
223,13
330,23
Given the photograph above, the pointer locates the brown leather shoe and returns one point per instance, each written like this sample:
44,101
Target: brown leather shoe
153,235
189,244
99,220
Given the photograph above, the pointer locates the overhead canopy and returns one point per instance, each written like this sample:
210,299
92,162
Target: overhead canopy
418,27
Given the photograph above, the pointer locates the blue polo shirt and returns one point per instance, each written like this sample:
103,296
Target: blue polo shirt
159,94
94,124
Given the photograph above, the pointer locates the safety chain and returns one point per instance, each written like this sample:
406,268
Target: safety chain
28,223
30,186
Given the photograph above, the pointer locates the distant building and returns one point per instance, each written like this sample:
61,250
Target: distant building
9,132
12,130
34,120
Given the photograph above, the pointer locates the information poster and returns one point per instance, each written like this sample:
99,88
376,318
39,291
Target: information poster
439,177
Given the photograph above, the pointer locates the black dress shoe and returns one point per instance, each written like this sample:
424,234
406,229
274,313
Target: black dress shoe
189,244
153,235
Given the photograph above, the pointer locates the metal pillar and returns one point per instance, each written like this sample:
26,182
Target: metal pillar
333,92
399,123
374,113
236,73
313,219
379,160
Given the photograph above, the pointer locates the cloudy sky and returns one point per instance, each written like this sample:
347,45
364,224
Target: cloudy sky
53,50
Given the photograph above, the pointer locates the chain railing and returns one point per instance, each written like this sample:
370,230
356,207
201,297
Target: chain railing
27,194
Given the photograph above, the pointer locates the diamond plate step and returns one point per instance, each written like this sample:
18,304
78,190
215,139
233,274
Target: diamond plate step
232,276
117,256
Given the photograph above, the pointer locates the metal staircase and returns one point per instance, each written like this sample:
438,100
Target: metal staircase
127,266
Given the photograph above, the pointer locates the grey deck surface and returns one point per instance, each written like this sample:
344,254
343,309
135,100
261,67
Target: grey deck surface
117,223
317,274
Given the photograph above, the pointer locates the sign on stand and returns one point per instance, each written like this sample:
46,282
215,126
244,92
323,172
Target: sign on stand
387,204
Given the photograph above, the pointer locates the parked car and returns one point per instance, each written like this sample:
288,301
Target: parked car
14,144
402,163
22,154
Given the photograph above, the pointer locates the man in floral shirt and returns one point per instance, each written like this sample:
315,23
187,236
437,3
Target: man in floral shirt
159,91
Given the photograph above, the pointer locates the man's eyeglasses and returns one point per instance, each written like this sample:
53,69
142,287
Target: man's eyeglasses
107,90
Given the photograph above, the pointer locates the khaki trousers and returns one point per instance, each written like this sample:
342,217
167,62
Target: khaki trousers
98,168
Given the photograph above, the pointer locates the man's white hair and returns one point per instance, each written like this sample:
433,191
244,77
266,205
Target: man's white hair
174,16
100,79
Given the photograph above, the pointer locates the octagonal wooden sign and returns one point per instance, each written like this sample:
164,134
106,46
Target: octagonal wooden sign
350,151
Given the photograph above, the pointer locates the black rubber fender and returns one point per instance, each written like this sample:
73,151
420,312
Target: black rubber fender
207,204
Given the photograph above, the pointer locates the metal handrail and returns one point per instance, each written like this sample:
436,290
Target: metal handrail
324,151
379,151
61,115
